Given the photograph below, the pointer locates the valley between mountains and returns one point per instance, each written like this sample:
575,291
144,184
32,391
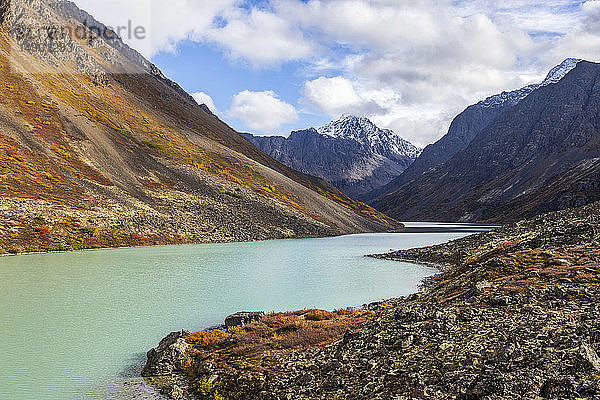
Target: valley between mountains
513,312
99,149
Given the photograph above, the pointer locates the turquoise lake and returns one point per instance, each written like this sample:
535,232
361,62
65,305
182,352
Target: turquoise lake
76,325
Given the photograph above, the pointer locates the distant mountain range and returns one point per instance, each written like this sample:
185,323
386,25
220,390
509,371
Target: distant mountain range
513,155
351,153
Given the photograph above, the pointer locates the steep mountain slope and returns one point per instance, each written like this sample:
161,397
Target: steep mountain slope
351,153
98,148
466,126
542,154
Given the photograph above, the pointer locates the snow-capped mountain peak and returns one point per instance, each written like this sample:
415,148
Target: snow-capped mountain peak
360,129
514,97
559,72
511,98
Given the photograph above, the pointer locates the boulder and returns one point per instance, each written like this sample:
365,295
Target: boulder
171,355
588,358
242,318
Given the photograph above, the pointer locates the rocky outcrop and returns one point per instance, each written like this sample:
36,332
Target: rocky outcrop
169,357
557,229
481,345
242,318
172,354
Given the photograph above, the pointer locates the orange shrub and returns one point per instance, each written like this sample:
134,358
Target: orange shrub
203,339
318,315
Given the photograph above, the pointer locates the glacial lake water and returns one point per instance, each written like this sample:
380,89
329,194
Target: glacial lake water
76,325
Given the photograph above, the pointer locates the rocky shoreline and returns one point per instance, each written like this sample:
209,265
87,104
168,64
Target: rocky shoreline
513,314
34,226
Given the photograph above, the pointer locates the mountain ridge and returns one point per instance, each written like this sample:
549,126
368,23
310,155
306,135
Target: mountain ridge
466,126
350,152
538,156
360,129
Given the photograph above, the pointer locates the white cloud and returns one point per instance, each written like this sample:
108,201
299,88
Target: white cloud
416,75
337,95
421,125
550,16
583,41
262,111
260,37
203,98
410,65
409,57
166,23
359,23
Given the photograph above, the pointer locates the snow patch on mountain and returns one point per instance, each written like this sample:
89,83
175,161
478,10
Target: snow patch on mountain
559,72
514,97
381,141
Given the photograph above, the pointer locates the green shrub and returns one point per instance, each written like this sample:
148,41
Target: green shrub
39,220
318,315
207,390
90,230
236,195
153,145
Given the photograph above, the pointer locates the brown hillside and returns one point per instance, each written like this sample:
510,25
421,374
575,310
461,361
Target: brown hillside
99,149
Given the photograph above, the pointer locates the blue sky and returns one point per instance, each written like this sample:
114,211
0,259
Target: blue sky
221,78
271,66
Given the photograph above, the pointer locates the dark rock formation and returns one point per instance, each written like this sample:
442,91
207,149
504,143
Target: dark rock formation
242,318
169,357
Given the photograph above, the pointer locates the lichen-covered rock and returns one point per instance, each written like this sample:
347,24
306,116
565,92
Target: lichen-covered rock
170,356
177,393
242,318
